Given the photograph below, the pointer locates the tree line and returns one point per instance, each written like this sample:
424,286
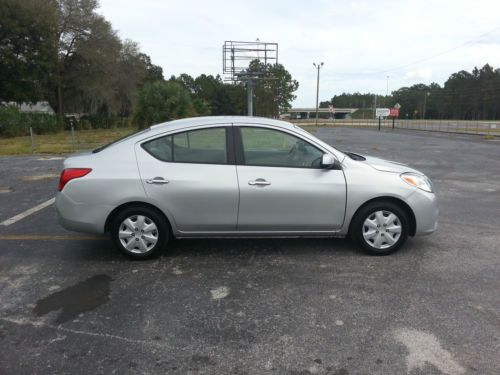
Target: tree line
464,96
64,52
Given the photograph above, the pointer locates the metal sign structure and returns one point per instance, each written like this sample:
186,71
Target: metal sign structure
236,59
394,112
382,112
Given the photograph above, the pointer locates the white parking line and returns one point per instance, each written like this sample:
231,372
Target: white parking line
50,158
26,213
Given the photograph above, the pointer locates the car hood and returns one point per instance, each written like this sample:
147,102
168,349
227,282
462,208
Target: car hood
387,165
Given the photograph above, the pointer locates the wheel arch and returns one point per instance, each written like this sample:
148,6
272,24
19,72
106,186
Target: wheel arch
117,209
402,204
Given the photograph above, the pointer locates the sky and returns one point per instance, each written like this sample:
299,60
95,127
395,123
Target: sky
361,42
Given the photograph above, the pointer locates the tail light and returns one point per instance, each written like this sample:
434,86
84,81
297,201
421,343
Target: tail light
71,173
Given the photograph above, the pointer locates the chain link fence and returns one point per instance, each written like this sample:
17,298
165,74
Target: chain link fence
488,128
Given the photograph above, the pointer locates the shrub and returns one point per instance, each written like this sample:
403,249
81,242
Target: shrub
43,123
12,122
101,121
16,123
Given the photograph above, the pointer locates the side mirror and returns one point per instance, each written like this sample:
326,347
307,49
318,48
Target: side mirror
329,161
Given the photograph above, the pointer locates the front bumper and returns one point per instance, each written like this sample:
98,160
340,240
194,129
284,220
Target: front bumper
425,209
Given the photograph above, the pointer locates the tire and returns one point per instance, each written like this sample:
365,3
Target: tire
380,228
128,224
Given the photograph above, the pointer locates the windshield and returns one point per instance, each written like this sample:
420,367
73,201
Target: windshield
99,149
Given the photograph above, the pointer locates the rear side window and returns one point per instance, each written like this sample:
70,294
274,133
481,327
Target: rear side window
160,148
207,146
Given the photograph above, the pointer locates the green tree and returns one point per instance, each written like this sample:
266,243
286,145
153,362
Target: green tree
74,23
211,95
153,72
96,72
89,79
274,94
26,49
162,101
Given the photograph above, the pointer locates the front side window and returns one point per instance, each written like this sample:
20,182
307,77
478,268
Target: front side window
206,146
267,147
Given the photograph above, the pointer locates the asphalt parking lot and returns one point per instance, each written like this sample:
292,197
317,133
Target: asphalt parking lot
70,304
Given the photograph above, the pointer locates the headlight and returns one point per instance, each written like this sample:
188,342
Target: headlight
417,180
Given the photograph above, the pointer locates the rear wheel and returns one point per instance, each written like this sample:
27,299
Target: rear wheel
139,232
380,228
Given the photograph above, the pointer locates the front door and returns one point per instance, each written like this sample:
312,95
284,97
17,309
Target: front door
282,185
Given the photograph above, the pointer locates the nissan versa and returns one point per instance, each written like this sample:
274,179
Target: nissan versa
240,176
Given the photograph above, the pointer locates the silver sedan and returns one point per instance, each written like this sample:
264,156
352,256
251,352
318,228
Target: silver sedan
240,176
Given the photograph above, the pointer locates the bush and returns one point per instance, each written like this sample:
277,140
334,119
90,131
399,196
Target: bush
43,123
12,122
16,123
102,121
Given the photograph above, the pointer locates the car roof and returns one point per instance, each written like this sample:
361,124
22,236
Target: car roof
223,120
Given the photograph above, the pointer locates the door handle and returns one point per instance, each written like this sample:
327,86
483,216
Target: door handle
259,182
157,181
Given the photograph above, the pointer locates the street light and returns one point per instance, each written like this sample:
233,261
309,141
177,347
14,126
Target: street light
318,67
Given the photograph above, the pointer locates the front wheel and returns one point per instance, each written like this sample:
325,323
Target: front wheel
380,228
139,232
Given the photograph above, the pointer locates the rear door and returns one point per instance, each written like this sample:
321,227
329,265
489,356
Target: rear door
191,175
282,185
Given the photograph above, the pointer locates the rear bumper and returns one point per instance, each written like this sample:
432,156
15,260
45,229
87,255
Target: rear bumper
425,208
80,217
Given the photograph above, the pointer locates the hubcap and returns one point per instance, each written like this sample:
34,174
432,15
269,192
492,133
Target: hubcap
138,234
382,229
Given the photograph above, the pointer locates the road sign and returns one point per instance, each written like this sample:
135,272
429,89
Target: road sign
397,105
330,108
382,112
394,112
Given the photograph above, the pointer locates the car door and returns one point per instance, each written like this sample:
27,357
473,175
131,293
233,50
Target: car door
191,175
283,187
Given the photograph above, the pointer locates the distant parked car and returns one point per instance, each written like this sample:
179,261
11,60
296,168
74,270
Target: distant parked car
243,177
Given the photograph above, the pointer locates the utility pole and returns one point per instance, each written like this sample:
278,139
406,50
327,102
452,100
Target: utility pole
250,96
387,90
425,104
318,67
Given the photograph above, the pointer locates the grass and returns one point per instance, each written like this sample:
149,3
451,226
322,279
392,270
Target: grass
488,137
61,143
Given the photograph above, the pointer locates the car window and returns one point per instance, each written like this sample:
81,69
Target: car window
268,147
160,148
195,146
